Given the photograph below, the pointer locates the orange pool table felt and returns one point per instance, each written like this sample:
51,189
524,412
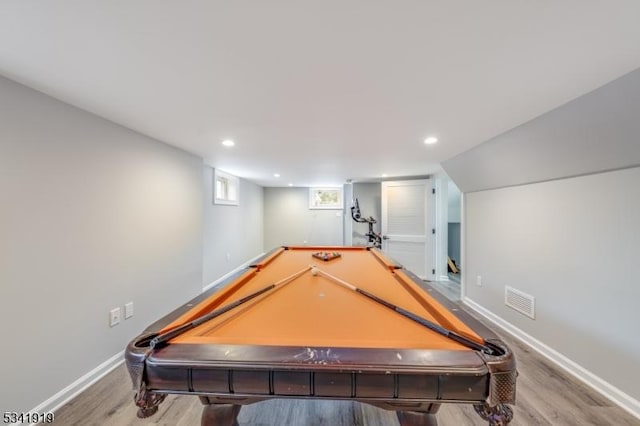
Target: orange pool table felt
315,311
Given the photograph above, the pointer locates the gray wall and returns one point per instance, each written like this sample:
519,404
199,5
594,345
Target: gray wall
454,204
232,234
453,241
454,210
543,217
289,221
574,245
596,132
92,216
370,201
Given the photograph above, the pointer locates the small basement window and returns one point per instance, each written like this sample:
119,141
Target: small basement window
325,198
225,188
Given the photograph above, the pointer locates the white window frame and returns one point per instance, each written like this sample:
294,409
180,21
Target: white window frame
314,191
228,192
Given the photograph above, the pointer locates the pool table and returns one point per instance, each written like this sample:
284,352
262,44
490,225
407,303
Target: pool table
298,324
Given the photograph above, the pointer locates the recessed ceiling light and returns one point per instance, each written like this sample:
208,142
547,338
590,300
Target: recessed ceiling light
384,175
228,142
276,175
431,140
290,184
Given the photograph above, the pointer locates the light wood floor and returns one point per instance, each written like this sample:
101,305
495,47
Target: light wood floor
450,289
546,396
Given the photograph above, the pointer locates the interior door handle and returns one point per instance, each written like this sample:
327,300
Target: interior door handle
384,237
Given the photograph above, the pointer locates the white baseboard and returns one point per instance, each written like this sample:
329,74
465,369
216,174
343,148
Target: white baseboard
65,395
601,386
228,274
443,278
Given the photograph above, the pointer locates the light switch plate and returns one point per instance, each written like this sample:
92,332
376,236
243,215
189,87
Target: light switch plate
128,310
114,317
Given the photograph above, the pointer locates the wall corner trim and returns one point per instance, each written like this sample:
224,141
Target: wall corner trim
74,389
601,386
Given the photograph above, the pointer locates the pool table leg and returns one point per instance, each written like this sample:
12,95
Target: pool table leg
417,418
500,415
220,415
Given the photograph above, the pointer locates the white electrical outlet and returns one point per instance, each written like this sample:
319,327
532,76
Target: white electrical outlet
128,310
228,256
114,317
479,281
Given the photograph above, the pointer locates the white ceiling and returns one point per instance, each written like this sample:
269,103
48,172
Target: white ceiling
319,91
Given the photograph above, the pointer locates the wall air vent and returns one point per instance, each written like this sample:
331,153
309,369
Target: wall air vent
521,302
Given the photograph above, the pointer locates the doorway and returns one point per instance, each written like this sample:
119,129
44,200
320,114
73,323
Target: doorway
406,230
454,236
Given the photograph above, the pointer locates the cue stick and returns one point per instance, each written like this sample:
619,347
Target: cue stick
161,339
422,321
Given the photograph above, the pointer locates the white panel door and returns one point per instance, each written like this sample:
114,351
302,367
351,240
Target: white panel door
405,225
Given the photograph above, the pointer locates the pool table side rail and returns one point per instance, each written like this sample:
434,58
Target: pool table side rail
229,370
264,260
239,371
